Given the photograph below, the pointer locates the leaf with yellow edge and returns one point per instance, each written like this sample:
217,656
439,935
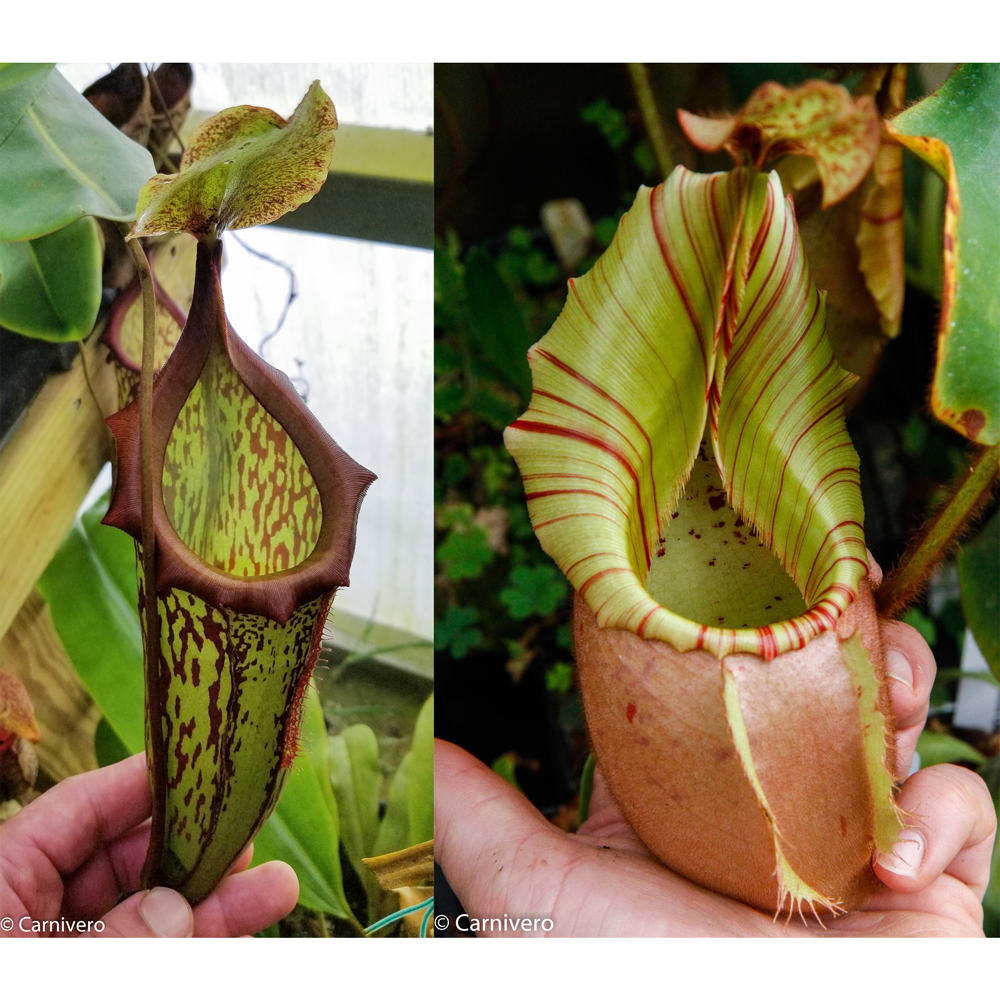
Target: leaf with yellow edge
243,167
957,131
817,119
410,866
699,321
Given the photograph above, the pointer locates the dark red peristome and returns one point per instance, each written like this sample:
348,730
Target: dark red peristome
340,480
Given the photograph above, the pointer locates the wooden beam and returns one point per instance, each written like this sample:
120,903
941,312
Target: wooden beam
47,466
392,153
67,717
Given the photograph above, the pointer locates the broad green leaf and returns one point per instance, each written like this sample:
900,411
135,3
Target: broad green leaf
818,119
943,748
957,131
421,778
50,287
63,161
501,333
394,830
304,827
243,167
698,333
979,573
91,592
356,777
19,83
108,748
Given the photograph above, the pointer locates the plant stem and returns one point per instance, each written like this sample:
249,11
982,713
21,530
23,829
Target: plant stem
651,118
940,533
151,615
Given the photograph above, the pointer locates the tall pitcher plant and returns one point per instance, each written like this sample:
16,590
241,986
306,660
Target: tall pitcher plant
687,465
242,508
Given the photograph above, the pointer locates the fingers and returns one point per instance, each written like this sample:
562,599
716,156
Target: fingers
950,826
159,912
481,822
241,905
108,874
68,822
247,902
911,668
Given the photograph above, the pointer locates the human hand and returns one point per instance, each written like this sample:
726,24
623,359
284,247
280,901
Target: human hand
502,857
75,850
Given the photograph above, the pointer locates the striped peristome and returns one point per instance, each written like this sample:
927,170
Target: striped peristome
700,313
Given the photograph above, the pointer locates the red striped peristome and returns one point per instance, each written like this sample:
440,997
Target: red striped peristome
701,314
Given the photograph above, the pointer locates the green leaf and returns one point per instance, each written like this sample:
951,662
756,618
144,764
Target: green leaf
979,575
465,554
455,631
559,678
91,592
19,83
356,778
500,329
694,356
108,748
957,131
534,590
245,166
943,748
303,830
50,287
421,778
63,161
924,625
609,121
394,831
506,766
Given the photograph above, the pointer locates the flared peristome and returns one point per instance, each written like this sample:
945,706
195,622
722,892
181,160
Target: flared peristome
699,321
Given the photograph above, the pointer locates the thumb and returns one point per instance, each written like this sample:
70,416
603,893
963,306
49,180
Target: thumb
481,822
158,912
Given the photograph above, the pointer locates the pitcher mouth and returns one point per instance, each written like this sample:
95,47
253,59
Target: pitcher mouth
714,580
699,329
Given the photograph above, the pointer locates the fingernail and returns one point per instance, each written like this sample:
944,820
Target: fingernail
906,855
166,913
898,667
